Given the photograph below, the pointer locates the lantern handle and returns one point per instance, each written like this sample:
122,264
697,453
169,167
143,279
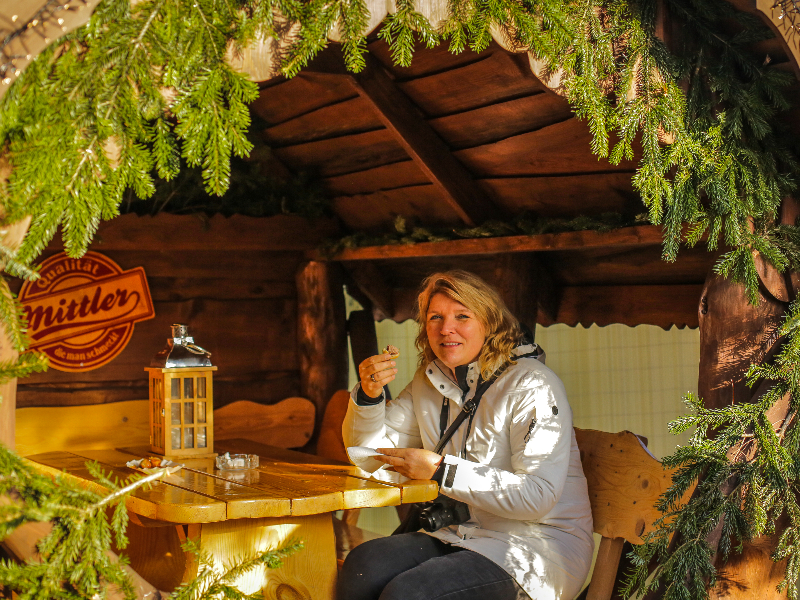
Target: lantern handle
195,349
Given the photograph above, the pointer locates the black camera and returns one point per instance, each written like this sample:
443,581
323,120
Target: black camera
443,512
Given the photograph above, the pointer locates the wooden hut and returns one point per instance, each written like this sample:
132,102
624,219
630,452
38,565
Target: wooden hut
450,141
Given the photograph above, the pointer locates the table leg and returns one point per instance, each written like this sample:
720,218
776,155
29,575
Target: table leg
309,574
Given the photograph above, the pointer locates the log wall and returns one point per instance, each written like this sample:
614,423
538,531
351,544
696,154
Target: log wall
232,280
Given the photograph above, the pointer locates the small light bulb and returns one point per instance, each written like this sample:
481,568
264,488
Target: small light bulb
14,18
61,21
7,80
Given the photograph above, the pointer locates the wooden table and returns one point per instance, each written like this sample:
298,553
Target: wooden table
237,513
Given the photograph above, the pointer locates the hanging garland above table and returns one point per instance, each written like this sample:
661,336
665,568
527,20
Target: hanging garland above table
140,89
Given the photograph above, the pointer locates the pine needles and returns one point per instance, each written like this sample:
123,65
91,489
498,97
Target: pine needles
75,562
143,89
742,461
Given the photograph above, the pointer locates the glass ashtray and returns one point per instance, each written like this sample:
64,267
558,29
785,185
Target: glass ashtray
236,462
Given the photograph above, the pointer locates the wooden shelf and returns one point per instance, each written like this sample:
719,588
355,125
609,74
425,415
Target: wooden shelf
640,235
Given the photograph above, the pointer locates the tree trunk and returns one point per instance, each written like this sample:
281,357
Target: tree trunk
733,335
321,335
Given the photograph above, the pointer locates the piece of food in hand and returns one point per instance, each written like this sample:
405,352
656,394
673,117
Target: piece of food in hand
392,351
146,464
155,461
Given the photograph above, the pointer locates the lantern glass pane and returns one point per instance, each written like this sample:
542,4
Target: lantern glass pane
176,438
176,413
188,437
201,412
188,413
176,388
188,387
201,437
201,387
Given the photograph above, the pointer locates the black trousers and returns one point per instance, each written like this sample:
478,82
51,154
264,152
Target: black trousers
416,566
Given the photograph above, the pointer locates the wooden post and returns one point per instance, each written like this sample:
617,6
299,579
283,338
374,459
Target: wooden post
11,236
733,335
525,287
321,335
8,391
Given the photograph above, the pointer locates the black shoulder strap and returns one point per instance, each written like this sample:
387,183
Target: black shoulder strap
469,408
471,405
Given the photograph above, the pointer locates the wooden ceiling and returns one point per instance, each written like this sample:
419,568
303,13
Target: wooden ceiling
454,140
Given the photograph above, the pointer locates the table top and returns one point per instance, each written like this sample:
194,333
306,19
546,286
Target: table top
287,483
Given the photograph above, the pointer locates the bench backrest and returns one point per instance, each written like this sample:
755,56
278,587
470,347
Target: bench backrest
624,480
286,424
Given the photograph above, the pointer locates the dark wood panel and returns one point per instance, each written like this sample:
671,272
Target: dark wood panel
405,276
560,148
175,289
165,232
267,387
244,336
346,154
427,61
567,195
298,96
494,79
343,118
395,175
499,121
378,210
661,305
207,274
272,266
634,266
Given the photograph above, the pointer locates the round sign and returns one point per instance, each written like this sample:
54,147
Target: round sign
81,312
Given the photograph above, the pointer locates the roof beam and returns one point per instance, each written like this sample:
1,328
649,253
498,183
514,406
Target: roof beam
640,235
402,117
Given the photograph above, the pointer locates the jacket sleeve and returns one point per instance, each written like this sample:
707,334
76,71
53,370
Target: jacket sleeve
385,425
540,439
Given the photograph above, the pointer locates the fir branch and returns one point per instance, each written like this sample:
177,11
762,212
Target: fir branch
405,233
746,474
74,560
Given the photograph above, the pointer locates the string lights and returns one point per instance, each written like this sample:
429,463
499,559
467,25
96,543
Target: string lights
23,40
789,17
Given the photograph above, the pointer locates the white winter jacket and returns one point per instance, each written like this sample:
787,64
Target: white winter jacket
519,470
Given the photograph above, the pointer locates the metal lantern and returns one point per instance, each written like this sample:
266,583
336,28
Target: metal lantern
182,398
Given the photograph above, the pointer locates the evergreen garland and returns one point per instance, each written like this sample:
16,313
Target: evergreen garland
74,561
140,89
741,496
406,233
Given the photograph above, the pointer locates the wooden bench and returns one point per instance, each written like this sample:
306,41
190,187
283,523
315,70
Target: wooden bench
624,481
623,477
286,424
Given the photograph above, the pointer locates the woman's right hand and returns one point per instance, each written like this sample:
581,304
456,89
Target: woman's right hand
376,372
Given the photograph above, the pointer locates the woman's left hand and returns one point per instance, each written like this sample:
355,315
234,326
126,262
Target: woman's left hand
414,463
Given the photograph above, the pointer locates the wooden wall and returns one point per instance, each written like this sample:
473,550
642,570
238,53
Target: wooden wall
232,280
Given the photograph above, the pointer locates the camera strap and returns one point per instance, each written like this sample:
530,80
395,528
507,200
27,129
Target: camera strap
471,405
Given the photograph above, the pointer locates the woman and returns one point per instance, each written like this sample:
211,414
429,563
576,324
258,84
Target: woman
515,463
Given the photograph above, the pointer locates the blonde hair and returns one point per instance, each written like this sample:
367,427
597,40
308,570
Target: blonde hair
502,328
